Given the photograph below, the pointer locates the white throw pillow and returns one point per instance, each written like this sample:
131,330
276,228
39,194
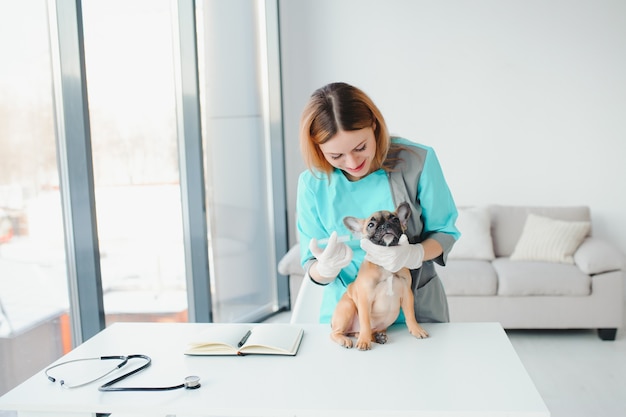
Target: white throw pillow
290,263
475,242
551,240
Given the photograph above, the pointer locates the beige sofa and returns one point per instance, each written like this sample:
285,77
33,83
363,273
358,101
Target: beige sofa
525,267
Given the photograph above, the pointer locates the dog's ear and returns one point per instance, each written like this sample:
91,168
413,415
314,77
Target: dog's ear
403,212
353,224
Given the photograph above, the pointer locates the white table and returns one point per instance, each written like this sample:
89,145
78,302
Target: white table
463,369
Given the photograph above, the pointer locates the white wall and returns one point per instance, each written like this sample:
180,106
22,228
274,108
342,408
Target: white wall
524,101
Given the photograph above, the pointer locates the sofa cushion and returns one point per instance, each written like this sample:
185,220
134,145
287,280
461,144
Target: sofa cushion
466,277
507,222
596,256
290,262
550,240
520,278
474,223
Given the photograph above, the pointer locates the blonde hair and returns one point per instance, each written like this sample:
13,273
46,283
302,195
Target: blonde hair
340,107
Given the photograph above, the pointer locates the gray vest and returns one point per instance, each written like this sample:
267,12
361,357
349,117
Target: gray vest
431,304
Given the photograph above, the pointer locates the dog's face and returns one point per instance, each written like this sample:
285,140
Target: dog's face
382,227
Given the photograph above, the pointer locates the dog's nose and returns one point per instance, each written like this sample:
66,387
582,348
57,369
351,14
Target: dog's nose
390,226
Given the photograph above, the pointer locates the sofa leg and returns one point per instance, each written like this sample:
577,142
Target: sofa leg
607,334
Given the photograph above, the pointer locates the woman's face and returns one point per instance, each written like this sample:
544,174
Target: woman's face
352,152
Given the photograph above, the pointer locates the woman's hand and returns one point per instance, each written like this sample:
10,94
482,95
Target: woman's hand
394,258
331,259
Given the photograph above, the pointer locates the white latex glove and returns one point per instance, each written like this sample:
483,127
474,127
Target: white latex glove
331,259
394,258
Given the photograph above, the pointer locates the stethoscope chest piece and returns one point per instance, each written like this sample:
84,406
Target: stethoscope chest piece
192,382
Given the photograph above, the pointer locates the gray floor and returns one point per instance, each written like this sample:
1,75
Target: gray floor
576,373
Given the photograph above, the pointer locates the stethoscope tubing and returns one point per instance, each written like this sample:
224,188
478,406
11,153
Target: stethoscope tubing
108,385
121,389
123,359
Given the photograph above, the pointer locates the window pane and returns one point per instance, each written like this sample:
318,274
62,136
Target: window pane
34,324
237,150
130,84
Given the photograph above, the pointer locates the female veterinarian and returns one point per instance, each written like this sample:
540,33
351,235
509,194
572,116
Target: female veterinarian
354,169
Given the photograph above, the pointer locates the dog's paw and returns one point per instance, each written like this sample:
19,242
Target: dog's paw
342,340
380,338
347,343
363,344
418,331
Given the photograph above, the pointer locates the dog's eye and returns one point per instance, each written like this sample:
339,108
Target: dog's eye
395,220
371,225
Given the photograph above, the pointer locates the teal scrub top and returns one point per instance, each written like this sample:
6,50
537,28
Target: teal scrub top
323,202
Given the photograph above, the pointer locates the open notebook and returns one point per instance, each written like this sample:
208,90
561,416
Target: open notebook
247,339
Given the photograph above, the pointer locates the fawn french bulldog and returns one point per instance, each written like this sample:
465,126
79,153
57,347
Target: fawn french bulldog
372,302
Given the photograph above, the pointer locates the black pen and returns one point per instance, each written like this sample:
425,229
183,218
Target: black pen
244,338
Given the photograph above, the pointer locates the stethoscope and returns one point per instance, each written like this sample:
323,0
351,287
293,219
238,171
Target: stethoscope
191,382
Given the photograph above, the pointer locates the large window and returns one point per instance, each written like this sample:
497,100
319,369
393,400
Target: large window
139,58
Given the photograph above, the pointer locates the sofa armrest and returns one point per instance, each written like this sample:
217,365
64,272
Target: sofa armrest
595,256
290,263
